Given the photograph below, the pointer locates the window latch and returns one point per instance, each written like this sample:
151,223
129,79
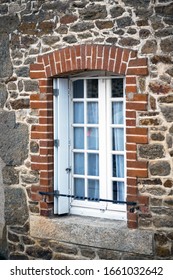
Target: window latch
68,169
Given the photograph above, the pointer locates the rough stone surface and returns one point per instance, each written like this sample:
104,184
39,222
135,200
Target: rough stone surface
15,150
6,68
101,234
151,151
15,204
167,112
160,168
10,175
3,95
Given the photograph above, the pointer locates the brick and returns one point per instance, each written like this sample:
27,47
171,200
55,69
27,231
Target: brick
41,135
136,106
118,60
105,57
52,64
132,224
46,143
36,67
37,74
131,88
140,173
139,97
113,52
45,205
41,166
131,182
131,155
130,122
42,128
73,59
143,200
46,174
138,62
141,71
131,147
131,114
46,151
94,57
137,164
126,54
48,71
46,113
45,120
138,139
132,190
46,59
137,130
41,105
130,80
123,68
42,159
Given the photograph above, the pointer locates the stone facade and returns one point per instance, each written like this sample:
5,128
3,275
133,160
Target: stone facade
32,36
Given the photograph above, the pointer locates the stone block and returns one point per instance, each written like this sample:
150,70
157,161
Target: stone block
160,168
151,151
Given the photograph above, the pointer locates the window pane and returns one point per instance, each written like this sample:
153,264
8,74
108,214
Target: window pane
93,189
78,89
79,163
93,164
118,139
92,88
79,188
78,112
92,138
118,191
79,138
117,113
92,112
117,87
118,166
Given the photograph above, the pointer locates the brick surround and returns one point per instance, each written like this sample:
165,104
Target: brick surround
79,58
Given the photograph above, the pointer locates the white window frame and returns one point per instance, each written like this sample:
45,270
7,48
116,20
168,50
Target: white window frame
84,207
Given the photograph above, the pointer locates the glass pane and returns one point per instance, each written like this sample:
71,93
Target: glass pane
78,89
93,189
118,139
92,112
117,87
79,138
79,188
79,163
118,191
93,164
118,166
92,88
92,138
78,112
117,113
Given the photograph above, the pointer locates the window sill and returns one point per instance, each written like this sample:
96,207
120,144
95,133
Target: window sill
94,232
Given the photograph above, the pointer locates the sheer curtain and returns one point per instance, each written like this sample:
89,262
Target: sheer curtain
118,145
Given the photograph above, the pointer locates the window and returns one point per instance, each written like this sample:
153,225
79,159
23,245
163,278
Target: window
90,132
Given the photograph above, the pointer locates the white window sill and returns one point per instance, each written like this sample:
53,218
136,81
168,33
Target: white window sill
94,232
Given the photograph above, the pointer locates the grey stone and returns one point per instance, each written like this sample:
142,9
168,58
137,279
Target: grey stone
124,22
164,32
165,10
8,23
31,85
167,45
167,112
157,136
39,253
162,59
149,47
164,222
16,210
22,71
170,71
15,150
18,256
129,42
3,95
139,3
92,12
166,99
13,237
153,190
63,248
160,168
27,240
82,26
10,175
22,103
151,151
70,39
144,33
116,11
98,233
6,69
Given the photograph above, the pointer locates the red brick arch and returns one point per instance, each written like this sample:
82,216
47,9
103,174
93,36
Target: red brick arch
86,58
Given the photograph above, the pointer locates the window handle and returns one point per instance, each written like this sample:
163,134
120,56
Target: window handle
68,169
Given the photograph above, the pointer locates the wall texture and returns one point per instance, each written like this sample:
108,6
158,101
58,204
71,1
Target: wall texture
31,32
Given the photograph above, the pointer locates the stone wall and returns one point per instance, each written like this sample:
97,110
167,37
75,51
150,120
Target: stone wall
32,28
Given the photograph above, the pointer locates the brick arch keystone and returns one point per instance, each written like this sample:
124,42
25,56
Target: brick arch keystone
78,58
